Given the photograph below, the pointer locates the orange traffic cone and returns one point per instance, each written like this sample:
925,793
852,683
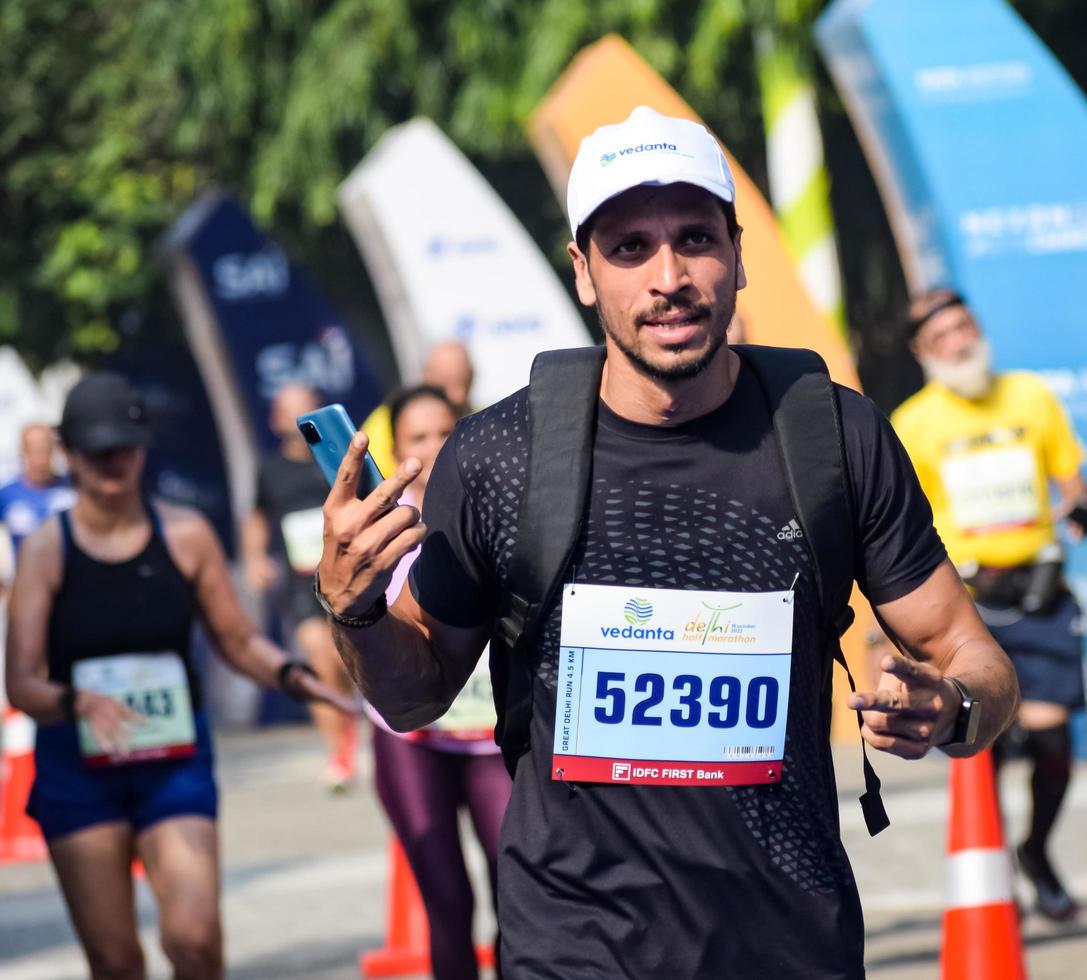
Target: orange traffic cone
20,838
981,922
407,935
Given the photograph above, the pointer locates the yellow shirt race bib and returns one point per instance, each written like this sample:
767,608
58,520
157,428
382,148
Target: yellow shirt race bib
986,464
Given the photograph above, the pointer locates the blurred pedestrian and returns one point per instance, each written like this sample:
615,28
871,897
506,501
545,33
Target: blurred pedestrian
448,367
987,447
39,491
425,777
281,545
105,599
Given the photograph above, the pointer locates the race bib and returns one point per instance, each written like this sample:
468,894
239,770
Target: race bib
993,489
472,714
670,687
154,684
303,536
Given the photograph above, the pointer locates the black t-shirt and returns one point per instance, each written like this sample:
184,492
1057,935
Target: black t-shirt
603,881
290,495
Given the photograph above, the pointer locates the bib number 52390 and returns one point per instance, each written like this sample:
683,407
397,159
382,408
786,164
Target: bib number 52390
720,701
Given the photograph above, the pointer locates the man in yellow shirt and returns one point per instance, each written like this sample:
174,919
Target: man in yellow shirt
447,367
988,448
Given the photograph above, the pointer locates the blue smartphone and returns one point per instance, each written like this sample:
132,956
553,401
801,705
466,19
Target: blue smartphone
327,432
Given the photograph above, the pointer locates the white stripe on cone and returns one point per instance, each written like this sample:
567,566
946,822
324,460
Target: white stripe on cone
17,734
978,876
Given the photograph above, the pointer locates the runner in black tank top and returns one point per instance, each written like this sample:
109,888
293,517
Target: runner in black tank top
101,614
140,605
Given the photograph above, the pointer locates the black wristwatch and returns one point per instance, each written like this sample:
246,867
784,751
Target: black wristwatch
284,673
967,720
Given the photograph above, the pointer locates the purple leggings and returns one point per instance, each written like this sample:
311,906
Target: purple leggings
421,789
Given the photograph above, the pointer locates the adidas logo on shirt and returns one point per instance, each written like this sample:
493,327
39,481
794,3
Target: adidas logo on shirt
790,531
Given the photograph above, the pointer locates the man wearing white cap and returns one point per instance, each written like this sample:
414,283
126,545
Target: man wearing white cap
688,618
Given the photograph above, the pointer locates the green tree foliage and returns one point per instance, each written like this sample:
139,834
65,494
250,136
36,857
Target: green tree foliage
116,115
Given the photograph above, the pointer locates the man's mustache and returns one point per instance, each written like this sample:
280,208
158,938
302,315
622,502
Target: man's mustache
693,310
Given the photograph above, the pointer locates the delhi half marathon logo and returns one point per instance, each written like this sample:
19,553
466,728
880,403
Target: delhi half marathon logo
606,158
638,611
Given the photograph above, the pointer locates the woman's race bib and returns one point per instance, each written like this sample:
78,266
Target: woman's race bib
155,685
669,687
472,714
303,537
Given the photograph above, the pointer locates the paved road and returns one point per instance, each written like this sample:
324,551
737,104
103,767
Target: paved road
304,873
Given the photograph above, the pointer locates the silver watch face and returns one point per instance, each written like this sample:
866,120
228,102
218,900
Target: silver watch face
971,708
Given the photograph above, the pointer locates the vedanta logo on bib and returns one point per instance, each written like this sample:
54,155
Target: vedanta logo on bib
637,612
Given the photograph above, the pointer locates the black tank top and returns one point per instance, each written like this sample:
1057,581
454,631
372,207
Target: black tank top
142,605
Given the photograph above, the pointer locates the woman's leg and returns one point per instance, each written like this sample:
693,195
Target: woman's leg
94,867
487,791
420,790
181,855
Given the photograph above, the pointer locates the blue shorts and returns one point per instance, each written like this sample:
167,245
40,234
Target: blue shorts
1046,649
68,795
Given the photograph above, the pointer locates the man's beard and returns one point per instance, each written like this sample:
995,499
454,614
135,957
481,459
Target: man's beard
677,370
969,377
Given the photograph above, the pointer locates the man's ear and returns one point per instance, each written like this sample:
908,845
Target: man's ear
586,291
741,276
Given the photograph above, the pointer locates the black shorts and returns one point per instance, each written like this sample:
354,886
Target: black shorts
1046,649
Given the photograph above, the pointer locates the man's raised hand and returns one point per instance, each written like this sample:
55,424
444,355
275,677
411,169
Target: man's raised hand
365,539
912,709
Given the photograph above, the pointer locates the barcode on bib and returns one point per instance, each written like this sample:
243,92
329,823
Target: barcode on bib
740,751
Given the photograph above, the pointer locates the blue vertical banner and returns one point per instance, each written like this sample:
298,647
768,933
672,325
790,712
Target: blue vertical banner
185,465
275,327
255,324
977,138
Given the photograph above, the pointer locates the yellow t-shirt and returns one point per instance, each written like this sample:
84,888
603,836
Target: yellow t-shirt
380,432
985,465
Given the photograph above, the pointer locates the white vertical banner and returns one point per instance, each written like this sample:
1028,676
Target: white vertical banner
450,261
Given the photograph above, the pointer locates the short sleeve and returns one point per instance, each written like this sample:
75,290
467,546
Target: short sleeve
452,579
896,546
1063,451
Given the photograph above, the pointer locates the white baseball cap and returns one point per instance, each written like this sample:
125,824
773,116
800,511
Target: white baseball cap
646,148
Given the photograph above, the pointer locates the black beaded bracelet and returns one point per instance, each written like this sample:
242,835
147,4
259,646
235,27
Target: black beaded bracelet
368,618
284,672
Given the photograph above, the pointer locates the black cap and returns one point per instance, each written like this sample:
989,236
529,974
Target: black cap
948,299
103,412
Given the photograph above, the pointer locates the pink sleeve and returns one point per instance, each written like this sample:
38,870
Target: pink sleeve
400,575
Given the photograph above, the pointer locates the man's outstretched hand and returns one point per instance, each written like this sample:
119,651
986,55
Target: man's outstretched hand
912,709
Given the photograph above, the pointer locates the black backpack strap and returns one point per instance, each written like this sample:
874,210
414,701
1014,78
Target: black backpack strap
563,394
807,426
